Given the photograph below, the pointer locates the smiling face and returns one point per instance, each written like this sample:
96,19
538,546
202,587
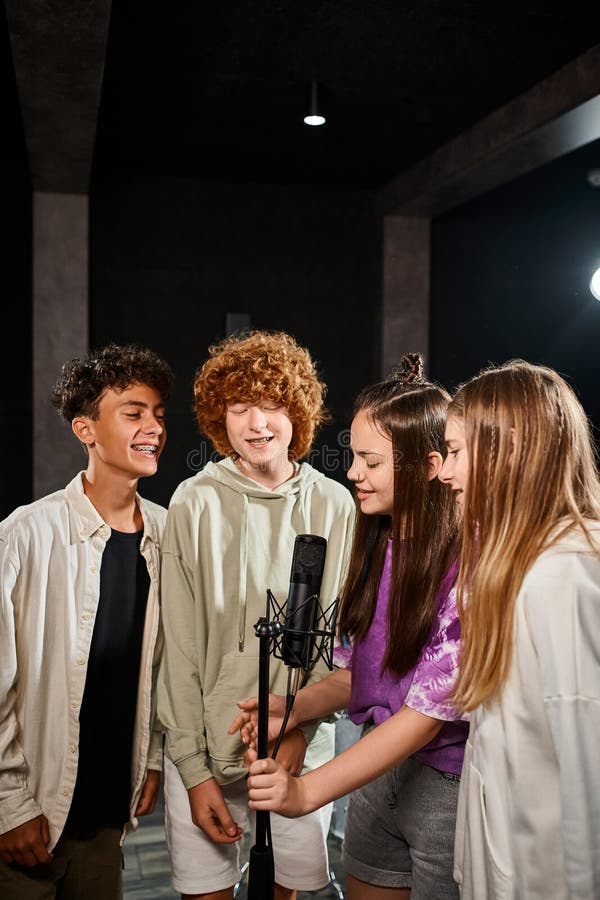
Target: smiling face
260,435
129,434
372,469
455,469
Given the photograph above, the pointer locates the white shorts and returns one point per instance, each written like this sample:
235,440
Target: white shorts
199,866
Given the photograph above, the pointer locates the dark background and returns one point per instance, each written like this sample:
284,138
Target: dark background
208,196
171,257
510,278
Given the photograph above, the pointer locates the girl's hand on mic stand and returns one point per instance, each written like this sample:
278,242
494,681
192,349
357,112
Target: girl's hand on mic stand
271,787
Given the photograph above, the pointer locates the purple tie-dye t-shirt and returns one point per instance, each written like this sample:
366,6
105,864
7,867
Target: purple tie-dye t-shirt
425,688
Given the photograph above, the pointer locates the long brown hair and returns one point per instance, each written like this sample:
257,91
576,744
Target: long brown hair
532,477
412,412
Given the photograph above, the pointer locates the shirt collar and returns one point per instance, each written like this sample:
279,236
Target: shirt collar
85,520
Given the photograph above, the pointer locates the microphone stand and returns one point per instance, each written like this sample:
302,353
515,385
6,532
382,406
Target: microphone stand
261,869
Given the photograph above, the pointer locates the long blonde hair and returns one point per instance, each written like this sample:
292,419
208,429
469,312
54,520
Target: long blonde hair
532,477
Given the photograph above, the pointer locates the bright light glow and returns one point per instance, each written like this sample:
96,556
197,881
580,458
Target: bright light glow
314,120
595,284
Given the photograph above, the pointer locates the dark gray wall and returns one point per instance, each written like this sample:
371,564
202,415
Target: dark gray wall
510,278
15,262
169,258
15,359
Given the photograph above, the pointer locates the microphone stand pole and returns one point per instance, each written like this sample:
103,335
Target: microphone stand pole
261,869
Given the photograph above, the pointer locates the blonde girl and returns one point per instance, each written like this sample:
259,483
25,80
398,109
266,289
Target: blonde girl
399,611
521,462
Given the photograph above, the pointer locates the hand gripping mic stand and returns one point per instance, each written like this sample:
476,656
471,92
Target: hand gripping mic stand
272,630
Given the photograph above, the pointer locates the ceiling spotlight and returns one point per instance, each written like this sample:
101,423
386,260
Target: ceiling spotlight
595,284
593,176
314,114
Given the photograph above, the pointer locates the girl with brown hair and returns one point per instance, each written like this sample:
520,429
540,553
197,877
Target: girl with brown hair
399,612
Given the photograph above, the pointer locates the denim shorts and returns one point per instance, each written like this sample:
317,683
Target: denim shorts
400,831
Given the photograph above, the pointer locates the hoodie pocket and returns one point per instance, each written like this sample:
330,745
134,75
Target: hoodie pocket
237,680
477,867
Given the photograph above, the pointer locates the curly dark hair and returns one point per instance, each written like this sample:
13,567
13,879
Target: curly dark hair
83,382
254,366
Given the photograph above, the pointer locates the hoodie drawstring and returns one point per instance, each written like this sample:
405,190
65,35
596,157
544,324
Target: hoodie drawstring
243,573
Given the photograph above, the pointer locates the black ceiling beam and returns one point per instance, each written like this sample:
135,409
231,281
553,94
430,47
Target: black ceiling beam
58,49
557,116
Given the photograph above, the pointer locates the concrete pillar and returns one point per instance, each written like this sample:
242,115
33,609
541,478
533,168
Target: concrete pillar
58,49
405,300
60,328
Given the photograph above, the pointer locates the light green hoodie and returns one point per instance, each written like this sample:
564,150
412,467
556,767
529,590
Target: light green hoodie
228,539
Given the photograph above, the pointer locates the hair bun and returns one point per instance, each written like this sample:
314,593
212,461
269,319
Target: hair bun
410,370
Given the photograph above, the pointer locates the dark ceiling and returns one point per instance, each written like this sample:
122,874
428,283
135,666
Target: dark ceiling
217,90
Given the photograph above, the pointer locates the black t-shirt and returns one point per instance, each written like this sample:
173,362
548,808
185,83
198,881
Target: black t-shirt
107,717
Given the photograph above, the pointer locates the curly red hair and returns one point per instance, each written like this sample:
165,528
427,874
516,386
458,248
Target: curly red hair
256,366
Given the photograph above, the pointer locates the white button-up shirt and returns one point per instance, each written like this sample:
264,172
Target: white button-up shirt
50,559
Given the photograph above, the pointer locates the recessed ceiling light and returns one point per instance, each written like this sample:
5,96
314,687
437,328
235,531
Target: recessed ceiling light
314,114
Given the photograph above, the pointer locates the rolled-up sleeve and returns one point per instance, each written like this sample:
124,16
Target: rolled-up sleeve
437,669
180,696
17,804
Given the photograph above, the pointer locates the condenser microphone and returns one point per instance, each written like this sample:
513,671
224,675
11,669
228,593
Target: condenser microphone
308,562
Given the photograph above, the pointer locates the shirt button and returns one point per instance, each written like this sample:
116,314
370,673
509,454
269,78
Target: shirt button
73,748
86,617
66,792
74,705
81,661
93,570
104,531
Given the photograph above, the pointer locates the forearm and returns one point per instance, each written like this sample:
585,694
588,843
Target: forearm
323,697
186,748
155,749
180,712
17,803
383,748
17,807
575,726
179,693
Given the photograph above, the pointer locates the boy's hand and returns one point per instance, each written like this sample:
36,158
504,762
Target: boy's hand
147,800
211,813
27,844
